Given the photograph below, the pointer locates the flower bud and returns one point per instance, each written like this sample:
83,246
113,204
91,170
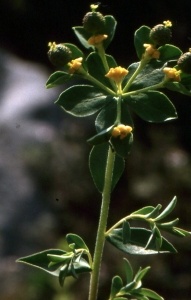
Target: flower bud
59,55
94,22
161,34
184,62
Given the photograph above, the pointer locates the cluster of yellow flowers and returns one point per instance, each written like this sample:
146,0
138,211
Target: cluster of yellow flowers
150,52
74,65
121,130
172,73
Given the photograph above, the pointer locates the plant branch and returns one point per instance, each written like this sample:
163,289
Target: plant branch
102,226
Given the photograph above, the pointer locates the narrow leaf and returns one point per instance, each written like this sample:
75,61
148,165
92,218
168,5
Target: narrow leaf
151,294
167,210
59,78
126,232
63,274
141,273
154,213
116,285
144,211
128,271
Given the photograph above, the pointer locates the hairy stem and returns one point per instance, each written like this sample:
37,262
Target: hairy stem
102,226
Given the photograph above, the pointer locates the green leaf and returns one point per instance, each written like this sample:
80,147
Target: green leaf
96,68
177,87
41,260
76,52
127,288
144,211
116,285
110,27
83,100
77,240
153,106
167,210
63,274
141,37
128,271
176,231
59,78
97,164
155,212
101,137
126,232
149,293
122,147
169,52
141,273
139,239
168,224
83,36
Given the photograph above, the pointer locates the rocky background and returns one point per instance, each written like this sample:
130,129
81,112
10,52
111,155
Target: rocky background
45,185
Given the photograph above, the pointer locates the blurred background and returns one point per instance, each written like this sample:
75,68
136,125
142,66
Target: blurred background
46,188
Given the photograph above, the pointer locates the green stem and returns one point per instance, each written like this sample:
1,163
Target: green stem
102,226
146,89
98,83
118,119
137,71
101,53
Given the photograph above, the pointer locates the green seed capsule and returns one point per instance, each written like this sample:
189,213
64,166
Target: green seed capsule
184,62
59,55
160,35
94,22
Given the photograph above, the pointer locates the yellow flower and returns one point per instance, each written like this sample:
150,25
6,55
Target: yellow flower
167,23
117,74
150,52
74,65
94,7
96,39
172,73
121,130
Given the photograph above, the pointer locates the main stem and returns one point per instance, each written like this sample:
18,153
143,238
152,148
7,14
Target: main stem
102,226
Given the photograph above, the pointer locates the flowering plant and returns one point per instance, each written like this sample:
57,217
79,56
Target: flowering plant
110,91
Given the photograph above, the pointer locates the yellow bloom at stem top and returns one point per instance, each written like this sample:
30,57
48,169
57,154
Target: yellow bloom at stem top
167,23
172,73
74,65
117,74
150,52
96,39
121,130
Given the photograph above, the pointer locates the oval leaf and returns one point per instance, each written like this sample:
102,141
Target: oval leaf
141,37
59,78
97,164
77,240
139,239
82,100
152,106
122,147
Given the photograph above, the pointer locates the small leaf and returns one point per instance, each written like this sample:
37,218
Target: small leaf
168,224
167,210
169,52
59,78
83,100
126,289
141,37
177,87
116,285
126,232
141,273
41,260
110,27
152,106
154,213
101,137
76,52
122,147
83,36
139,239
128,271
144,211
151,294
77,240
63,274
97,164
